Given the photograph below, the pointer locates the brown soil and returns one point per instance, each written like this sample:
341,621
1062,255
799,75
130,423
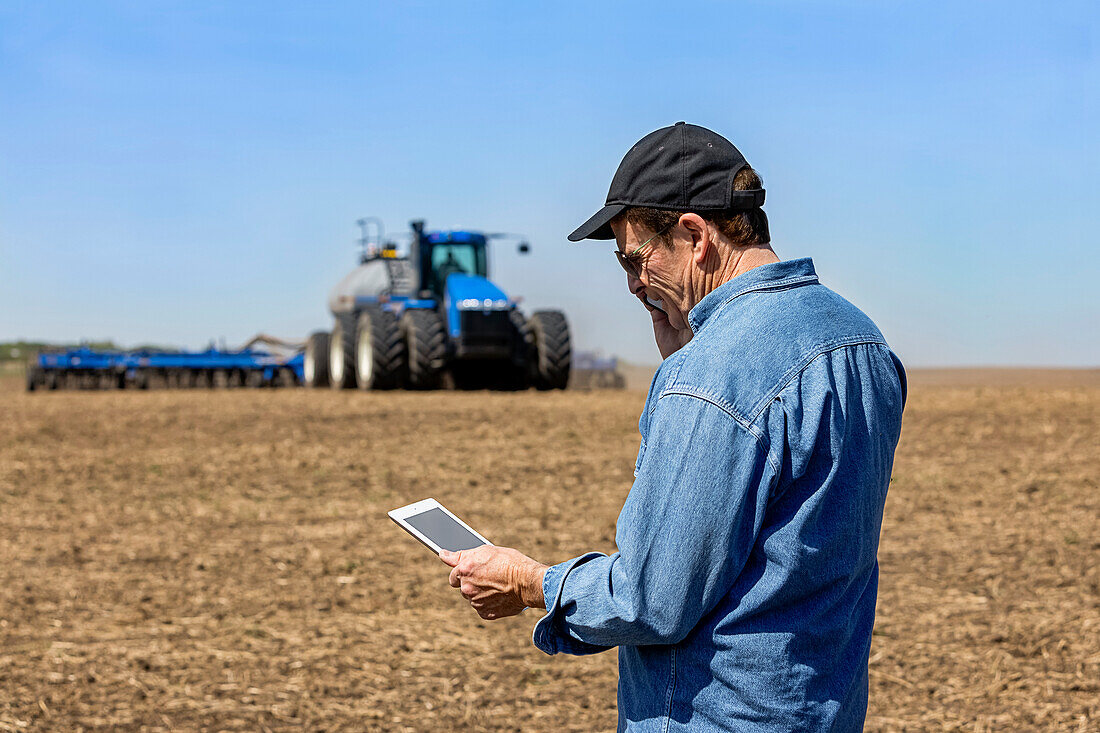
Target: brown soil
222,560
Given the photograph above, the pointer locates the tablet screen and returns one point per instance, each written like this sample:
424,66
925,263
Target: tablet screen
444,531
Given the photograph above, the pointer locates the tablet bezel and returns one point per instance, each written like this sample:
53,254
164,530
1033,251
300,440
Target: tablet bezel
400,514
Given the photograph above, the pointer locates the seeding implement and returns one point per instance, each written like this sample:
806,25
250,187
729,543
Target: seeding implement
86,368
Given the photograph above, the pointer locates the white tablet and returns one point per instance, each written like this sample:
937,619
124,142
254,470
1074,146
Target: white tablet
434,525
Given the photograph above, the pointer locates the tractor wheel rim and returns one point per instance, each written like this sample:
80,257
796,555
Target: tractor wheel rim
308,368
336,357
366,358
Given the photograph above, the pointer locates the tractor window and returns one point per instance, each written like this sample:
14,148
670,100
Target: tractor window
448,259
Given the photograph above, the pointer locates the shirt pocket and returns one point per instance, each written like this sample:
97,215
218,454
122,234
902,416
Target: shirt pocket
641,454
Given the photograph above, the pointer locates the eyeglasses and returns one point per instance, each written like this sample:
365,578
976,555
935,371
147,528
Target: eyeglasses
630,261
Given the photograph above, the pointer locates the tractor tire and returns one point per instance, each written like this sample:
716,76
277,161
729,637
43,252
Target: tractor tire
51,380
315,365
553,351
380,350
255,379
427,342
517,377
341,352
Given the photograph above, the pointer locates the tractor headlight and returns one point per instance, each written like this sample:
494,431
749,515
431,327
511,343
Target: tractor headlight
486,304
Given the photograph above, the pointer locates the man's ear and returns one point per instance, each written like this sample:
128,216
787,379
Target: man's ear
697,229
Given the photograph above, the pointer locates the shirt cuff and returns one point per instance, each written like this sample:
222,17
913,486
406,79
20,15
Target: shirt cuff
551,633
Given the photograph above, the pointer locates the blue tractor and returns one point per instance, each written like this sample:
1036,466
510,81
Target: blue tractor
433,318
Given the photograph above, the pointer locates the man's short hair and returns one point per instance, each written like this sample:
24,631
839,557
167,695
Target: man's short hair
742,228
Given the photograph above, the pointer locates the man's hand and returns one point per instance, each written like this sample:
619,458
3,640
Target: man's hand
497,581
669,339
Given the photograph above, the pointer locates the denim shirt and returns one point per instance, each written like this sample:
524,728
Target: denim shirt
742,595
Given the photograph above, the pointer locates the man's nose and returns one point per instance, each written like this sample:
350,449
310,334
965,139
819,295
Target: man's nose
634,284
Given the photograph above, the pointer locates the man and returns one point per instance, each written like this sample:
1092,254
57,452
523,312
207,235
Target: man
742,594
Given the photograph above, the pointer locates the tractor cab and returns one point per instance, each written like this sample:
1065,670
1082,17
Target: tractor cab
438,255
454,253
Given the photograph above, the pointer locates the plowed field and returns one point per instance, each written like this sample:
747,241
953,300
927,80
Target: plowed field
201,560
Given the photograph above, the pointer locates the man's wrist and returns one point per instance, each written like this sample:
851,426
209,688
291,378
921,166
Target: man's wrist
531,588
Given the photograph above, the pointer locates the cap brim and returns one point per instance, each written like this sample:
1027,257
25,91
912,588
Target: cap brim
598,225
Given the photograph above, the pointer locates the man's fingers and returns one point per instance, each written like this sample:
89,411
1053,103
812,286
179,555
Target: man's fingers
484,578
452,559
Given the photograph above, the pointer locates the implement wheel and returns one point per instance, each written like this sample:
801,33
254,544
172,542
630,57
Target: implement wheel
315,365
285,377
553,350
427,344
35,378
380,350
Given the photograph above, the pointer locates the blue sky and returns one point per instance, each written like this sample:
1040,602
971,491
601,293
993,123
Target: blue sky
176,172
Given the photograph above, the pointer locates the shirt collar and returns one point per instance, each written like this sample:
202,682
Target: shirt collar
776,275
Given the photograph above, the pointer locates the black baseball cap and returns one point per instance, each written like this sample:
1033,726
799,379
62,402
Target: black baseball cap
678,168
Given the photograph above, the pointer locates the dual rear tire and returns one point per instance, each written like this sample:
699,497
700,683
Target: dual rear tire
380,350
315,363
364,350
341,353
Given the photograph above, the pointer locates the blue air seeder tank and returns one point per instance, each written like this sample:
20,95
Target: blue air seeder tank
433,316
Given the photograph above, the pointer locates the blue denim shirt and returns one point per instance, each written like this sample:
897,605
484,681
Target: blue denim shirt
742,594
